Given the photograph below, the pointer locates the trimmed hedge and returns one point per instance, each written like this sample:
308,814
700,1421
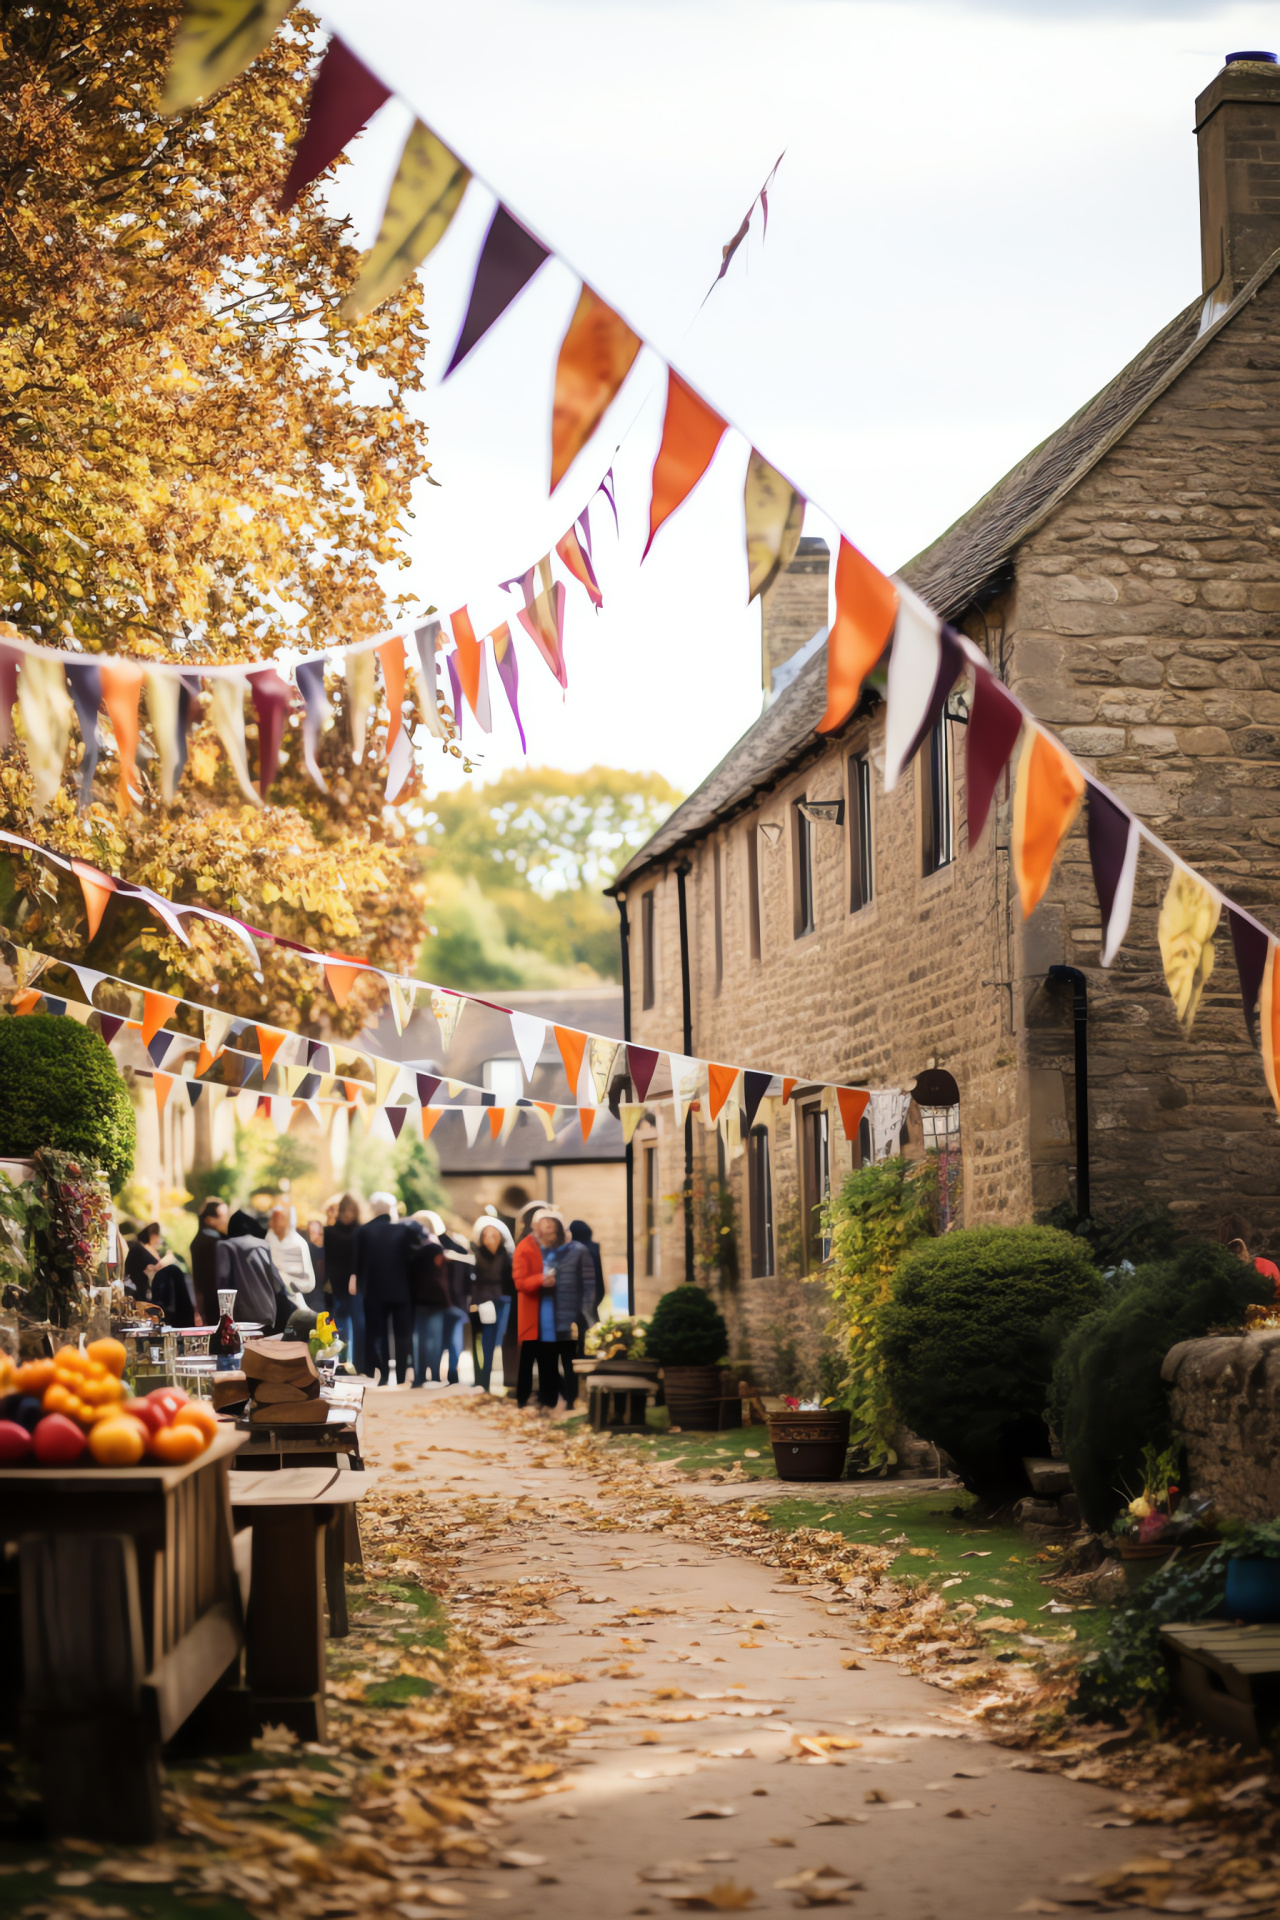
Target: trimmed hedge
61,1089
687,1330
969,1337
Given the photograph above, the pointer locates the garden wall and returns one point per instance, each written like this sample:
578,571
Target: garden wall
1226,1404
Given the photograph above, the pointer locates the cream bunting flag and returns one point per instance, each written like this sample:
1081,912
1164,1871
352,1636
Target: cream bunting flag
281,1112
601,1055
508,1126
547,1114
226,711
1188,920
685,1070
216,1027
472,1120
45,705
360,691
1269,1022
447,1008
246,1105
530,1035
164,691
631,1113
402,1000
385,1075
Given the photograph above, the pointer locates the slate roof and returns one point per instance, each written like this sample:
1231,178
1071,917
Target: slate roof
951,573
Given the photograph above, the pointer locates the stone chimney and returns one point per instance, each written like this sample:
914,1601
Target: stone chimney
1238,135
793,610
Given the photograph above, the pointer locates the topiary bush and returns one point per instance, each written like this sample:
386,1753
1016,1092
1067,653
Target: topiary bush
969,1337
62,1089
1108,1401
687,1330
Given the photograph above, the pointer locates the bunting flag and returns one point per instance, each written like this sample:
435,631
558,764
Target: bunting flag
163,694
396,1118
1046,800
504,658
109,1025
9,658
214,43
773,513
226,711
631,1113
720,1085
853,1103
497,1118
424,639
85,682
399,750
788,1088
866,604
473,672
508,261
1269,1022
1249,942
308,677
924,666
161,1084
425,194
269,1044
990,738
754,1088
402,1001
26,1001
572,1045
596,355
641,1062
530,1036
206,1058
889,1106
578,561
601,1055
359,700
46,718
156,1008
685,1071
447,1008
1113,855
472,1118
159,1047
546,1113
455,688
271,697
385,1075
341,977
121,686
97,889
691,432
586,1120
1188,920
344,98
430,1118
428,1087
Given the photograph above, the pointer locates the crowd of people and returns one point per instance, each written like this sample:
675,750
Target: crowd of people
403,1292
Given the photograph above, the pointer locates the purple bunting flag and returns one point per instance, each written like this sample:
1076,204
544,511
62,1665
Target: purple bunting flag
85,683
344,97
509,674
271,704
428,1085
1113,855
158,1047
309,678
395,1118
641,1063
508,261
1250,942
992,734
456,685
754,1088
109,1025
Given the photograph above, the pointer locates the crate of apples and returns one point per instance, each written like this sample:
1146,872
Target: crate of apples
75,1409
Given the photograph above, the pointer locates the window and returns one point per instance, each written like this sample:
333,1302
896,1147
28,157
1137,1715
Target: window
647,976
717,876
935,799
815,1174
861,878
802,842
650,1178
760,1202
505,1080
753,891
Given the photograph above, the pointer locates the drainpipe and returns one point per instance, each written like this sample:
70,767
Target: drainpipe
1072,976
624,930
683,870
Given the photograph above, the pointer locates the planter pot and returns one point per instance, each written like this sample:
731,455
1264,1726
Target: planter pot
693,1397
1253,1591
810,1446
1140,1562
646,1369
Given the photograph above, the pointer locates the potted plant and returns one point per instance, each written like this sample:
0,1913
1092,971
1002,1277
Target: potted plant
616,1344
810,1440
688,1338
1157,1522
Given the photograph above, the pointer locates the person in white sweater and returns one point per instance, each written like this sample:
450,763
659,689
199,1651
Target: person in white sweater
292,1256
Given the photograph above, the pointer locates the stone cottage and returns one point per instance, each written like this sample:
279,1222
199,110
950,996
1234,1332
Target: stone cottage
1124,580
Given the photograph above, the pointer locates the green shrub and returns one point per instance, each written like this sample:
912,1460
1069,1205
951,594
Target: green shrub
687,1330
62,1089
1107,1400
969,1337
876,1216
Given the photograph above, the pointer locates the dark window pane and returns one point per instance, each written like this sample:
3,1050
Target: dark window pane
760,1202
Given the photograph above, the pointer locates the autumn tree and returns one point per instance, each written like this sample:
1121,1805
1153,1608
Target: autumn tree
199,460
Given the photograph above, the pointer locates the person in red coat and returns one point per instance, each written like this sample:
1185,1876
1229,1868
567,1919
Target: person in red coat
530,1281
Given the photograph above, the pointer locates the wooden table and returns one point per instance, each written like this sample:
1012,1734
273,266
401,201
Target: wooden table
1224,1672
340,1432
299,1518
130,1615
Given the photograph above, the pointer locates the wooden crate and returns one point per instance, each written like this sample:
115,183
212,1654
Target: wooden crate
1226,1674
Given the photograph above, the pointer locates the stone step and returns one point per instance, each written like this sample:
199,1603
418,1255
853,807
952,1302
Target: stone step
1047,1477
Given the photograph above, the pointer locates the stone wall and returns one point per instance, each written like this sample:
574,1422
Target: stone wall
1225,1395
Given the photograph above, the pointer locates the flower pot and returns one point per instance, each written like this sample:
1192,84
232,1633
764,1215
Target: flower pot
693,1397
810,1446
1140,1561
1253,1590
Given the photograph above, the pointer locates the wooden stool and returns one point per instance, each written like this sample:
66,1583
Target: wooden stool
1224,1672
616,1402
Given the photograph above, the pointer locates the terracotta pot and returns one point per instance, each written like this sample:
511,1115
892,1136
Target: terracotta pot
810,1446
693,1397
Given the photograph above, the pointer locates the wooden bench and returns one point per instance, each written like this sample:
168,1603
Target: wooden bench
1224,1673
617,1402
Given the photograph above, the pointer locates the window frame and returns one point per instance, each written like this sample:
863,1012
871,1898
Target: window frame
861,841
937,800
650,1184
803,905
814,1129
760,1203
514,1080
648,950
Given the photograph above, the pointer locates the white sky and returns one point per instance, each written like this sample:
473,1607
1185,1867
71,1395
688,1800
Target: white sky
983,212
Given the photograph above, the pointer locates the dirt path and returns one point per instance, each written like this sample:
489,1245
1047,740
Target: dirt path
691,1677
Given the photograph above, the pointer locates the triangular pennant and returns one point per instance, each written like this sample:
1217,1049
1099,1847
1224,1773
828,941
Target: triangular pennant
402,995
719,1085
544,624
90,979
424,640
109,1025
344,98
159,1045
271,697
226,712
631,1113
215,43
269,1042
754,1088
385,1075
425,194
455,690
194,1089
601,1055
1269,1022
207,1059
641,1062
547,1115
447,1008
788,1088
774,515
46,720
586,1120
570,549
85,682
685,1072
497,1117
58,1008
428,1086
1046,800
1188,920
121,687
216,1027
990,738
395,1119
246,1105
97,889
430,1119
1250,944
572,1045
354,1089
319,1056
156,1008
473,669
530,1036
866,603
921,675
280,1108
161,1083
9,662
77,1011
852,1102
504,658
691,432
163,691
508,261
341,977
308,677
1113,855
472,1118
399,751
360,691
26,1000
596,355
454,1088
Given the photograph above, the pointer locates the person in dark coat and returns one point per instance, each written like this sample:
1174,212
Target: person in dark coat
492,1291
212,1230
581,1232
429,1290
143,1261
342,1281
382,1272
245,1220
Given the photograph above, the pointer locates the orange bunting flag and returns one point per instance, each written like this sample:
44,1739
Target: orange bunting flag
353,1091
121,686
866,607
27,1001
162,1083
496,1117
471,667
341,979
97,889
853,1102
571,551
788,1088
587,1120
572,1045
207,1057
156,1008
1269,1022
720,1084
691,432
269,1045
430,1118
596,355
1046,799
391,658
